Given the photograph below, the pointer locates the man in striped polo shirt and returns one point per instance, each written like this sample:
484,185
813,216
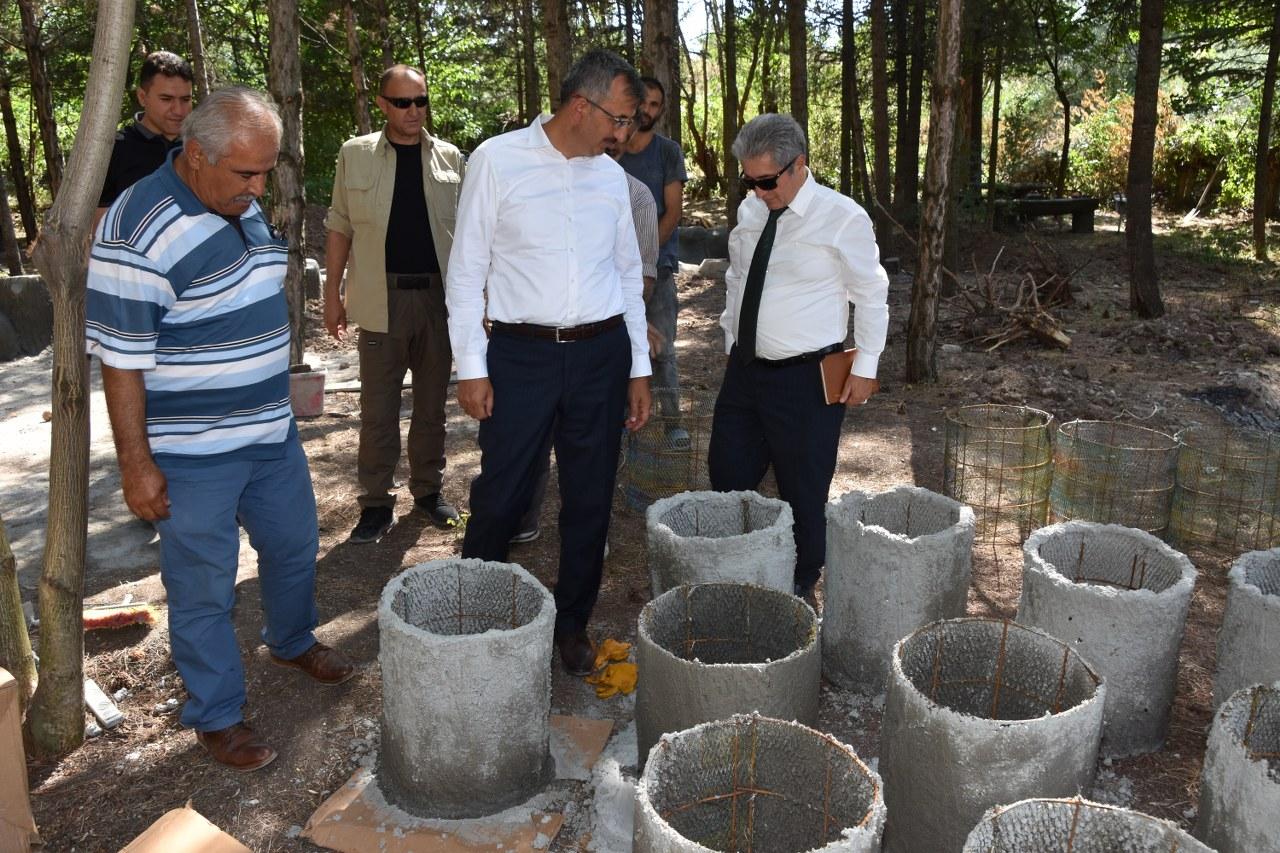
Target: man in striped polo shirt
186,309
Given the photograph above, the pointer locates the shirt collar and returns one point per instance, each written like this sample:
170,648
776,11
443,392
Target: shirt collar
804,196
383,143
188,202
147,133
536,135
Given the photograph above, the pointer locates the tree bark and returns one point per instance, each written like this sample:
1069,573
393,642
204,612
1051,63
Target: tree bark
907,167
702,154
288,194
532,105
798,53
768,83
880,126
1144,285
9,237
733,191
56,719
859,138
385,41
660,59
41,92
973,79
427,121
356,57
17,167
555,28
922,324
993,154
629,30
848,92
195,37
1260,198
15,643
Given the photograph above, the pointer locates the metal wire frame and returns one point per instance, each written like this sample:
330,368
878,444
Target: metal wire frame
1228,489
1077,804
657,464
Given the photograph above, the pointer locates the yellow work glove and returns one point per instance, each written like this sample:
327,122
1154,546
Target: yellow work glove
614,679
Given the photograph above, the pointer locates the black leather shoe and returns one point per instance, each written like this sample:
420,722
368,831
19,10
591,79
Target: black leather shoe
374,523
577,652
440,511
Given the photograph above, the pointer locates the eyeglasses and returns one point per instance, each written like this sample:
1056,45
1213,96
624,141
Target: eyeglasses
620,122
768,182
404,103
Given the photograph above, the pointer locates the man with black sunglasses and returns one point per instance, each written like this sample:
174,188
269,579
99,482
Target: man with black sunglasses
799,255
395,200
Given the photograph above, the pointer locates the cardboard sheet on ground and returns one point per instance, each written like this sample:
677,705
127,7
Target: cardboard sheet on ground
357,819
17,828
184,830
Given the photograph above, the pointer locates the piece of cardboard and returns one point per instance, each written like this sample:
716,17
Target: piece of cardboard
356,818
17,826
184,830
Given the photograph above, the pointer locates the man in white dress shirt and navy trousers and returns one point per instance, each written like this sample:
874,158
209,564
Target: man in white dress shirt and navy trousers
799,255
545,232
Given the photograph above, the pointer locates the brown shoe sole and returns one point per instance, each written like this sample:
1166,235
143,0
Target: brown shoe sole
288,664
246,769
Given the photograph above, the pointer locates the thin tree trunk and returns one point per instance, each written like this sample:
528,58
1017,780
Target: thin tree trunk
529,63
847,94
1260,199
733,192
356,57
977,42
859,138
703,156
922,324
1064,161
880,126
56,718
798,53
910,170
555,28
9,237
385,40
901,66
41,92
745,94
660,58
15,643
288,194
629,34
195,38
994,152
420,39
17,168
768,83
1144,285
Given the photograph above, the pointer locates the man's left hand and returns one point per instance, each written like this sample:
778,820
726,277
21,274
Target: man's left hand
640,402
857,389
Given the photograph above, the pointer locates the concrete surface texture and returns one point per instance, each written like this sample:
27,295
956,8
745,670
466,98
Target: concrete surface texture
708,651
1076,825
1119,596
981,712
466,687
1249,641
25,303
895,561
1240,785
754,783
702,537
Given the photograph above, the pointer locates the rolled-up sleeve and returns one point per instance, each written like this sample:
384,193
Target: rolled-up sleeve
867,287
339,217
469,267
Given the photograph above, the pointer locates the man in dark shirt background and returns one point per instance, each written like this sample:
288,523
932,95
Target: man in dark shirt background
164,93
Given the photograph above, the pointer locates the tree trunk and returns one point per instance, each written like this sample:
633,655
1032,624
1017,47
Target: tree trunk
356,57
733,191
15,643
798,52
848,92
288,194
768,83
922,324
907,168
859,138
195,37
660,58
629,30
1064,162
56,718
555,27
532,105
1260,199
9,237
17,168
880,126
385,41
901,66
702,155
973,79
41,92
993,155
1144,285
420,40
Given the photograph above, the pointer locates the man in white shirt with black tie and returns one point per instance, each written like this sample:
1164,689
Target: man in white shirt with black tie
798,256
545,232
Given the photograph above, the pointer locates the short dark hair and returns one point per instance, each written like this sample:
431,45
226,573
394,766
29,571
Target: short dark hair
395,71
655,83
593,75
166,63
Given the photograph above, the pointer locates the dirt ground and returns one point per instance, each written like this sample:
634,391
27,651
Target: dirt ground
1218,342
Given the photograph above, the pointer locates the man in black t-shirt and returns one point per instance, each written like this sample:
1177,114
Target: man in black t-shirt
164,93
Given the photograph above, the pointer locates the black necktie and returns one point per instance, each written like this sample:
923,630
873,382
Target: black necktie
750,312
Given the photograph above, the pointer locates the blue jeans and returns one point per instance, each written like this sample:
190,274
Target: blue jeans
661,311
199,554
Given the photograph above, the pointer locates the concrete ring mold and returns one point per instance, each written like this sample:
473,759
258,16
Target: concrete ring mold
1119,596
981,712
1075,825
704,537
466,687
754,783
895,561
707,651
1249,642
1240,785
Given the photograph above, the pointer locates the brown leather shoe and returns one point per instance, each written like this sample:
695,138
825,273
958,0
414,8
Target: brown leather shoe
237,747
325,665
577,652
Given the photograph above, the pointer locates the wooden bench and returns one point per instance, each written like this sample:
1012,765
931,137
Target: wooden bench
1025,209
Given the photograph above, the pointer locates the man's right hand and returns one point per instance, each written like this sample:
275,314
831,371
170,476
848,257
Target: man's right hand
146,492
335,318
475,396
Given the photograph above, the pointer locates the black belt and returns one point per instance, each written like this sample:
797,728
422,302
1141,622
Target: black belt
559,334
804,358
413,281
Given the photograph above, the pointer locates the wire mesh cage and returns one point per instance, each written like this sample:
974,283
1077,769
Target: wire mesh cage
668,455
1113,473
998,460
1228,490
1075,825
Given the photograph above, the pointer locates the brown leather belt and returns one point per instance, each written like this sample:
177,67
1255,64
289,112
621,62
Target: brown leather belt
559,334
414,281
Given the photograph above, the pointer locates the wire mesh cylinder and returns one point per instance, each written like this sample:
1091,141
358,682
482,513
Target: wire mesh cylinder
1075,825
1228,493
998,460
754,783
1113,473
1240,786
668,454
981,712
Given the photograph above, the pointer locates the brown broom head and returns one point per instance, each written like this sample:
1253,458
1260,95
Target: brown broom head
118,616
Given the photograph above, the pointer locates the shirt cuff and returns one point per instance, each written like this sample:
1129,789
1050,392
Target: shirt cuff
472,366
640,365
864,364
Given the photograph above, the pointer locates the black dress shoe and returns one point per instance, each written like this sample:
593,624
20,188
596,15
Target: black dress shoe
577,652
440,511
374,523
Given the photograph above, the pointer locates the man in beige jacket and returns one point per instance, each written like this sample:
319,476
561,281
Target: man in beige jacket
395,201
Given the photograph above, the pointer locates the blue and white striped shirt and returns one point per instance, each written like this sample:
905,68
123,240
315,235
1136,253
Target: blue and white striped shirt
176,292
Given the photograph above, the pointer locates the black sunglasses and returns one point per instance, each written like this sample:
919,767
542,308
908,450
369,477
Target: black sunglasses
768,182
405,103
